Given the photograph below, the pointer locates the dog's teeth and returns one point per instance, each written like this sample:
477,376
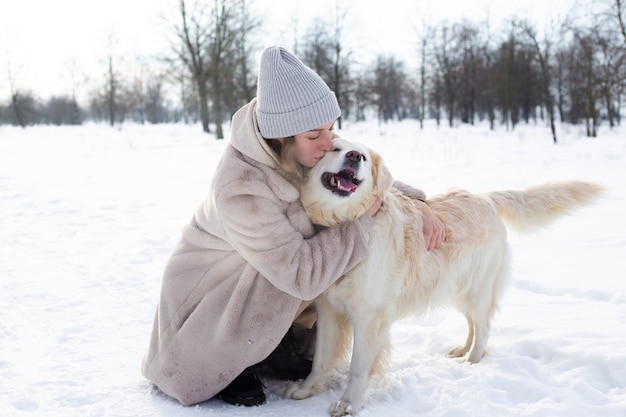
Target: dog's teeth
333,182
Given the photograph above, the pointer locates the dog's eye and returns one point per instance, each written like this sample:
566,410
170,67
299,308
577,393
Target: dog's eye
364,157
335,149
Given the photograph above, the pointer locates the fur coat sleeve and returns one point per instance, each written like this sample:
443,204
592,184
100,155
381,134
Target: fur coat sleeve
410,191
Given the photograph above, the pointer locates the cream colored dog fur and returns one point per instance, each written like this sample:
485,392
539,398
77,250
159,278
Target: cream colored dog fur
470,270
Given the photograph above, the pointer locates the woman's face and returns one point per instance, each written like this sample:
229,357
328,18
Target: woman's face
311,146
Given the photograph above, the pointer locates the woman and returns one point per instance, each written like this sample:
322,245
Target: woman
250,261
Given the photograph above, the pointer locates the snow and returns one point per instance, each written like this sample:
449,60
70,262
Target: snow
90,214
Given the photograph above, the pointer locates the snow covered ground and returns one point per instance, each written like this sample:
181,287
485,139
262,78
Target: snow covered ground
89,215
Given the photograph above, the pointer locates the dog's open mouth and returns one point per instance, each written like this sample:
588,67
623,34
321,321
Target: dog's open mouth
343,182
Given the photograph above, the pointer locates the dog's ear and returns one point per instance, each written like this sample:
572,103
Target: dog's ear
382,176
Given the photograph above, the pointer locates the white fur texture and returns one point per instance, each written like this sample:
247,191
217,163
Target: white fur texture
470,271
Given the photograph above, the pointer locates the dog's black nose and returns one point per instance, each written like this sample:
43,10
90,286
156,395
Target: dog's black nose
353,156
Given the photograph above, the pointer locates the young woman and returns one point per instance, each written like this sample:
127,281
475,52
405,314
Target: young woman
250,261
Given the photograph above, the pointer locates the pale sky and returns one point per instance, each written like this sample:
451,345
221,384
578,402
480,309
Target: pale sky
41,38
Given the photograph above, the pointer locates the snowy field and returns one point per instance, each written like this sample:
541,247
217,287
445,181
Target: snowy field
89,215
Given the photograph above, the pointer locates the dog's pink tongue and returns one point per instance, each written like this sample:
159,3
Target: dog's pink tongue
345,185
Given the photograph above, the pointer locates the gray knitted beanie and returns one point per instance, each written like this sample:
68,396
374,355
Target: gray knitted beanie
291,97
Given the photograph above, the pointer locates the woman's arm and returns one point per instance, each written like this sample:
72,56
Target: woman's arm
410,191
256,225
434,230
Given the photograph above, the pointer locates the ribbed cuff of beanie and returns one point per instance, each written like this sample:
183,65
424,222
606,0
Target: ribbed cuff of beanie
314,115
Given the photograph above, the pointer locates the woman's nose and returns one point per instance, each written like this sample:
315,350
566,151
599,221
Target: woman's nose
327,142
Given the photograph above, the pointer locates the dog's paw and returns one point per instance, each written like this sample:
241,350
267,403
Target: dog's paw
458,352
296,391
341,408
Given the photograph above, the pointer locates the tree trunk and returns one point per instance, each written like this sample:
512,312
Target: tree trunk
204,105
217,107
17,110
619,6
111,93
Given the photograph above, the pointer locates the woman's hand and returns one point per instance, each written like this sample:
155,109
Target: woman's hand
378,203
434,230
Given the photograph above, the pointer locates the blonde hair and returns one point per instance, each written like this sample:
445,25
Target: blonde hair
285,151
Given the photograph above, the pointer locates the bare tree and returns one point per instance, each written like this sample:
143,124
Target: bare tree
16,102
136,96
23,109
212,37
245,78
585,65
487,91
229,32
613,59
74,117
467,38
423,82
620,13
426,33
24,106
436,98
324,51
610,58
341,63
516,80
110,100
543,56
390,87
112,86
195,37
220,46
560,72
154,108
447,68
361,98
189,98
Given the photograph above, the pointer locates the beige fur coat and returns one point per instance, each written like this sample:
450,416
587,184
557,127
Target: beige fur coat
242,268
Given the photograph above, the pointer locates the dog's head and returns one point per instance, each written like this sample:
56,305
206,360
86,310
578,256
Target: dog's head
344,184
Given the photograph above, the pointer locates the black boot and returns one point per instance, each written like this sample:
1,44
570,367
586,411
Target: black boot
289,360
246,390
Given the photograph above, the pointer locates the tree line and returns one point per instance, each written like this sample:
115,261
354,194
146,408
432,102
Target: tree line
573,72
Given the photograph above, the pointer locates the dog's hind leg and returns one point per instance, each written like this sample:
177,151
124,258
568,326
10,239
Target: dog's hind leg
370,350
461,351
482,328
477,337
489,294
332,342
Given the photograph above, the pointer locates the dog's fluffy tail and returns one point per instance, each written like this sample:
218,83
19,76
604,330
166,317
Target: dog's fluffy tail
536,207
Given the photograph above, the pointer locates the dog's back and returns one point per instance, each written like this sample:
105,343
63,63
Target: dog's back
472,266
401,275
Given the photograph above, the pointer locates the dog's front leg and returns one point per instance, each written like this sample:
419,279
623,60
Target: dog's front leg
371,341
330,346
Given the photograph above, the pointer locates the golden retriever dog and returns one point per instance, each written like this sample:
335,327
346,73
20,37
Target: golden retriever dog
470,271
